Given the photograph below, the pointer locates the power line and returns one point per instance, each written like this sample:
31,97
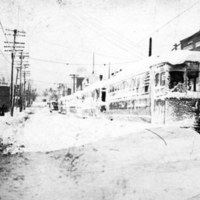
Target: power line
63,46
87,64
83,21
35,80
113,33
169,22
4,34
4,56
6,39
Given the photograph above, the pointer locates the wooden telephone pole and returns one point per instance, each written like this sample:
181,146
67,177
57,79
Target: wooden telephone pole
13,49
74,76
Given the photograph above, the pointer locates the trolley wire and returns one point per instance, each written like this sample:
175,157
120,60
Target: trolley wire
87,64
82,21
169,22
6,40
64,46
113,33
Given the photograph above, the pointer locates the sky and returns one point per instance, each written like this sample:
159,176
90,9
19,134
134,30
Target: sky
66,37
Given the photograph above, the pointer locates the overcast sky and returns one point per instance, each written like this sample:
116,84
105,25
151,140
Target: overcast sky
63,35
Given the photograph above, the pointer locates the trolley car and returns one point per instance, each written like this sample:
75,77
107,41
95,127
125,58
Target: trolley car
160,89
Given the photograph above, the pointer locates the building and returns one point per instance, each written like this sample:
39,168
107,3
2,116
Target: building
191,43
79,85
4,94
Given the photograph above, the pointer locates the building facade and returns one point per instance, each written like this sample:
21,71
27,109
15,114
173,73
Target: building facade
191,43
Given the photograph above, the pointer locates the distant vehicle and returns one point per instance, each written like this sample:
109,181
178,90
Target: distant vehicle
53,105
62,106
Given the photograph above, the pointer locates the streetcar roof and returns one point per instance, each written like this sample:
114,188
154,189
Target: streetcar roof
96,85
172,57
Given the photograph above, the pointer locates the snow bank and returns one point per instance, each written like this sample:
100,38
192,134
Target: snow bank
10,129
74,158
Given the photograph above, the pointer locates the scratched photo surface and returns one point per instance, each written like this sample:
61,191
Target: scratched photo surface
99,99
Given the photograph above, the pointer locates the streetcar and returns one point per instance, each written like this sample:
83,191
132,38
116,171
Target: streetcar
160,89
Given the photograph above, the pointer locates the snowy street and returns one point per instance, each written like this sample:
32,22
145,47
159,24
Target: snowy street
66,157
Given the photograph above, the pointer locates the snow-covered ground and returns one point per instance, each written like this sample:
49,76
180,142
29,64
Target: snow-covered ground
66,157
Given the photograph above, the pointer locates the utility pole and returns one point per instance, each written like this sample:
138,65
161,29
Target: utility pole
24,91
20,85
25,73
21,57
11,87
15,88
109,71
13,51
29,93
150,46
74,76
93,65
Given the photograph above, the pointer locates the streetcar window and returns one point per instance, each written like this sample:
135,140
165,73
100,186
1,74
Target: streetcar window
138,82
175,78
192,80
118,87
103,97
162,79
157,79
125,84
147,78
146,88
142,80
121,86
133,83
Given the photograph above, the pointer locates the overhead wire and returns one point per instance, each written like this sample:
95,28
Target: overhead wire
164,25
4,56
115,34
64,46
6,40
169,22
65,63
82,21
35,80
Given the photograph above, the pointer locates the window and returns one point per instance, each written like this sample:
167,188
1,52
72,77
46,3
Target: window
175,78
162,79
125,84
132,83
197,44
147,78
138,82
156,79
146,88
192,80
111,89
